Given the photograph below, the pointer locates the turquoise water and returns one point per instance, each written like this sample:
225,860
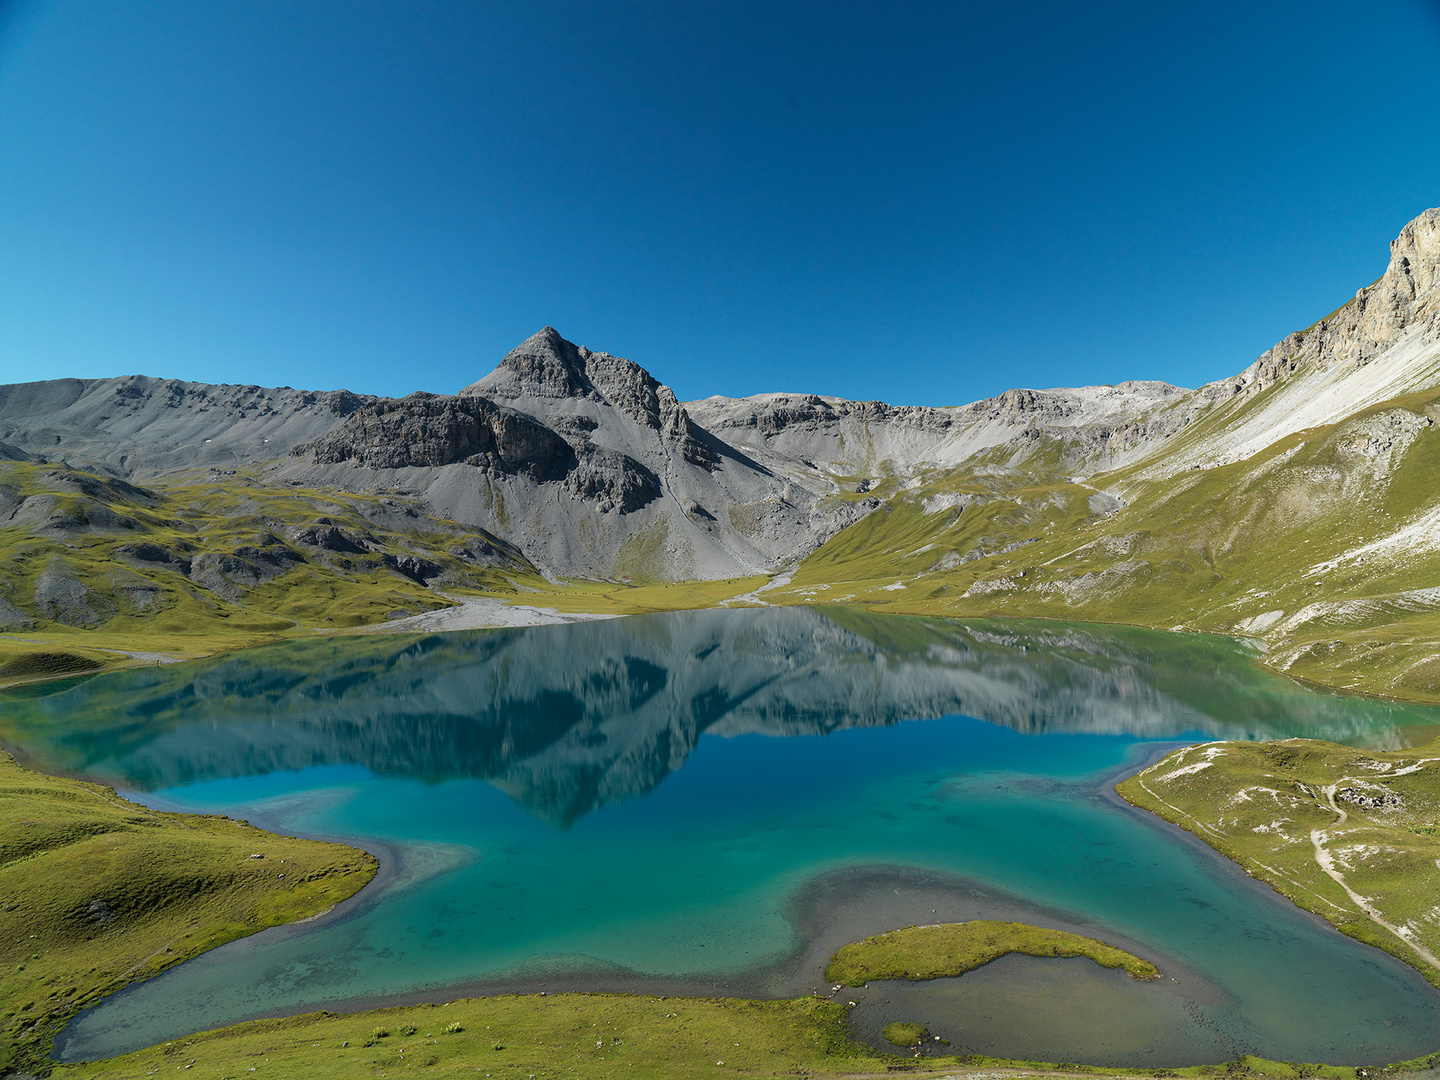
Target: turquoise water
713,801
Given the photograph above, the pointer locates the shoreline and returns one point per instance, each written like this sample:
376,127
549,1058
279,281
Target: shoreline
493,613
483,613
599,981
829,908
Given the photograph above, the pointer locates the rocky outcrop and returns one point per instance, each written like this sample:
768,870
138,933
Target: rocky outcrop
232,574
1404,300
1381,345
61,596
325,535
546,366
12,618
771,414
153,557
612,481
428,431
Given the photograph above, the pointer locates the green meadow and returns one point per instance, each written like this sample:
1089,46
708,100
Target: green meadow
97,892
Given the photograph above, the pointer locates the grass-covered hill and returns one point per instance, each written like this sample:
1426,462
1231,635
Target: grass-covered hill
1348,834
97,892
195,562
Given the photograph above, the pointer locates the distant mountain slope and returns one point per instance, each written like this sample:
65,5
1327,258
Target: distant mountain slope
587,463
141,428
870,437
1299,505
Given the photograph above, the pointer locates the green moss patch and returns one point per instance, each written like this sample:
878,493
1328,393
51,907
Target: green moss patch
948,949
904,1033
45,665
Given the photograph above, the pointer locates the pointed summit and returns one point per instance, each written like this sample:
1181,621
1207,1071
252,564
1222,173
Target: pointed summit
543,365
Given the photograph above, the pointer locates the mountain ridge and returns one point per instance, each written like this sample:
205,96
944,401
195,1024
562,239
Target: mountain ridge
572,463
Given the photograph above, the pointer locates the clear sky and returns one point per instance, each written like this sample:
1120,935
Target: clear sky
922,203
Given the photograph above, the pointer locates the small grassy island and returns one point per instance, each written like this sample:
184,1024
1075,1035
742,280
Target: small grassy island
937,952
902,1033
97,892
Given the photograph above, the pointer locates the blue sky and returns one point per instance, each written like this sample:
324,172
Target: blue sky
922,203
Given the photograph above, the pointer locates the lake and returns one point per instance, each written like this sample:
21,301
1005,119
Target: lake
711,802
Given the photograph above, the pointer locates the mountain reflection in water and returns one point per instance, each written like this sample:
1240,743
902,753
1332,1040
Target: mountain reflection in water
569,718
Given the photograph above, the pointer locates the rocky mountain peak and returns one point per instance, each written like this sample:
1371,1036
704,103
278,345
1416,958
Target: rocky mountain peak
1413,278
543,365
545,369
1404,301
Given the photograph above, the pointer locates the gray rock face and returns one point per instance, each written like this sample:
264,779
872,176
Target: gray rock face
1404,299
13,619
153,557
231,575
613,481
587,463
62,597
546,366
142,427
427,431
324,534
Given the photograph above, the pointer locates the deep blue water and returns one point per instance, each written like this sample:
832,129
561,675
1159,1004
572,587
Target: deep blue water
713,801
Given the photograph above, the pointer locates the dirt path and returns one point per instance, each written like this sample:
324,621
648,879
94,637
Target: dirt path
1326,862
1201,826
779,581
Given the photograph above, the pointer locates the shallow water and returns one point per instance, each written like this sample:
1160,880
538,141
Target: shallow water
713,801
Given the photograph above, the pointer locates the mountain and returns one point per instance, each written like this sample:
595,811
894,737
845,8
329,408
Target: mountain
587,462
141,428
1293,503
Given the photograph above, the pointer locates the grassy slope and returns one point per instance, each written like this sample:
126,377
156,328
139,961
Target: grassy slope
159,610
559,1035
1204,550
97,892
934,952
1266,806
145,608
